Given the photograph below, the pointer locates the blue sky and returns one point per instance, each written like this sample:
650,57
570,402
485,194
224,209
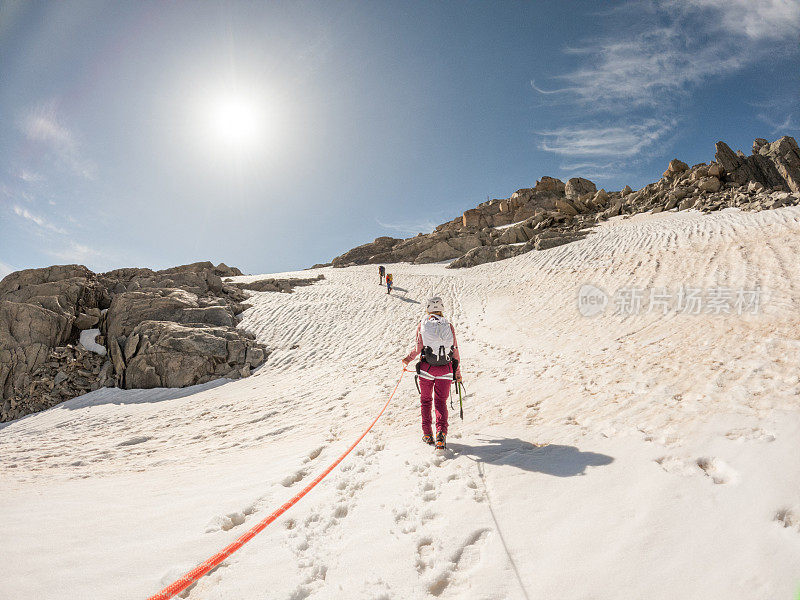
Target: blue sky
358,119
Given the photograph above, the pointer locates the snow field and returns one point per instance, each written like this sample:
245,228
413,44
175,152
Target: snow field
649,456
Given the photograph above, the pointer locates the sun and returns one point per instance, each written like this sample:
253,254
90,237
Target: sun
236,120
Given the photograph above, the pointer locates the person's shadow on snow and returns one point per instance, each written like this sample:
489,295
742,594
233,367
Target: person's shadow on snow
551,459
404,297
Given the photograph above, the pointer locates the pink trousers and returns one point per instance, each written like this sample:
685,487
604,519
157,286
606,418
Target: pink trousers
435,392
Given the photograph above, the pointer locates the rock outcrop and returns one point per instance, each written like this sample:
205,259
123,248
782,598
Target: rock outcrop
167,354
577,187
285,286
554,212
773,165
170,328
175,305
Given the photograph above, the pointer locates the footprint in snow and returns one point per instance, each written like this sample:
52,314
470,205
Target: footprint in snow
673,464
719,471
663,440
466,556
753,433
788,518
230,520
313,454
469,554
139,439
290,480
424,559
428,490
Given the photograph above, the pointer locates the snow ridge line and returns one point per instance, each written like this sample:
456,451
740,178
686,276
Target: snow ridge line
213,562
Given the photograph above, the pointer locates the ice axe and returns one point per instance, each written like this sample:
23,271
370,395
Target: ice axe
459,386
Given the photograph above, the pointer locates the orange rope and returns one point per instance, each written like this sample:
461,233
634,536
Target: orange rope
203,568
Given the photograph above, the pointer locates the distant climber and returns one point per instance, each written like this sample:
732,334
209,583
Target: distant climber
389,283
435,343
381,273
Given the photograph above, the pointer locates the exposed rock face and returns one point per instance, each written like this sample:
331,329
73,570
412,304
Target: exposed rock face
367,253
173,355
551,184
472,218
441,251
164,304
277,285
199,278
568,210
43,311
675,167
774,165
578,186
27,333
38,308
709,184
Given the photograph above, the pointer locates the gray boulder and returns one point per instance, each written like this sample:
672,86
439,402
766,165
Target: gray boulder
551,239
84,321
180,355
367,253
64,289
465,243
170,304
200,278
285,285
709,184
578,186
566,207
38,308
476,256
441,251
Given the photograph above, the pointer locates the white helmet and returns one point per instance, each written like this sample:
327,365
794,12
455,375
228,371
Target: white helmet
435,304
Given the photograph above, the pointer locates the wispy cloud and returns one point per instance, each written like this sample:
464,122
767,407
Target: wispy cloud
649,71
42,125
28,176
618,140
5,269
412,227
757,19
37,220
592,170
644,70
75,252
785,126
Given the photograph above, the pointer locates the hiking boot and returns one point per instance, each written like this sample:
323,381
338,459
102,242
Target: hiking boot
440,441
428,439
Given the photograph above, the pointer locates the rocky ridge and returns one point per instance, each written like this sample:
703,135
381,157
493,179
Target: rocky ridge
554,212
169,328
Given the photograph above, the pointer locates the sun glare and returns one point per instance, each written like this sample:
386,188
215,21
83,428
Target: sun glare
237,121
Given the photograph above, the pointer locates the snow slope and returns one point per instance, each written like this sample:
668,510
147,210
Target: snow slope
648,456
